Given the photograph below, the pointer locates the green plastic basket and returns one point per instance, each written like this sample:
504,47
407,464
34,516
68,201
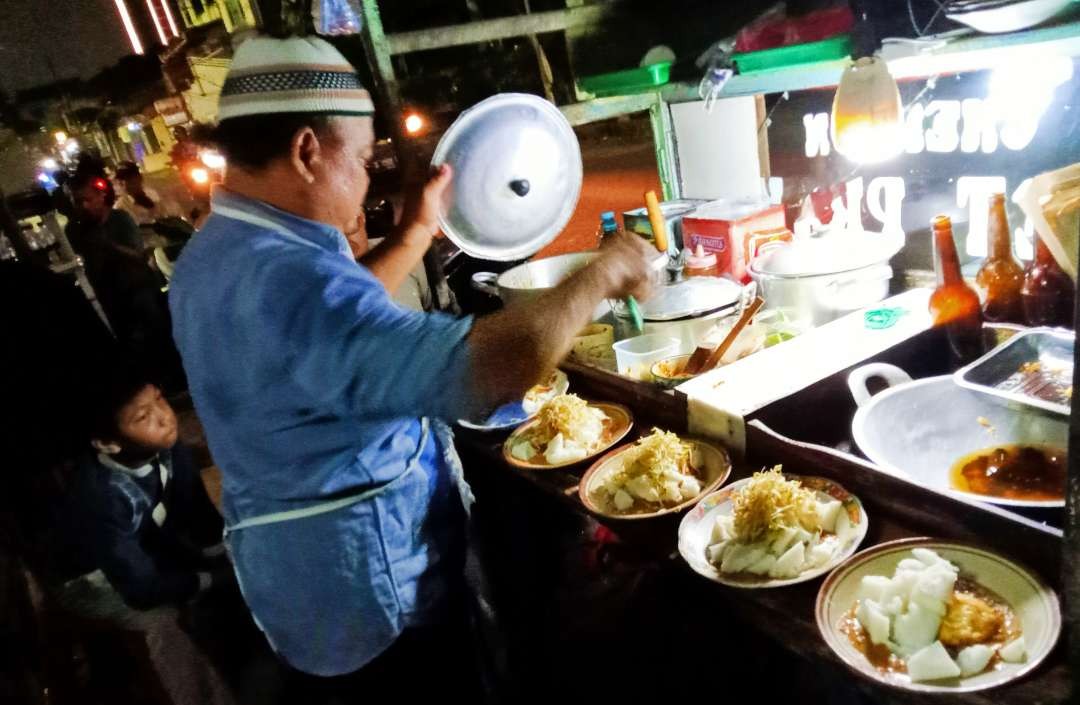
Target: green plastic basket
832,49
628,81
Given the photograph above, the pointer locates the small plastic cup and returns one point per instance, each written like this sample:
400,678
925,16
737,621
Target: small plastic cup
634,357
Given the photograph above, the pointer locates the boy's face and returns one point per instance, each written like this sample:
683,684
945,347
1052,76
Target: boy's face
147,422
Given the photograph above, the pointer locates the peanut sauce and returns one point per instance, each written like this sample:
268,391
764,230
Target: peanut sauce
1012,472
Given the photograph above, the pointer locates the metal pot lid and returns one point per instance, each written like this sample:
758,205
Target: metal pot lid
517,176
830,253
689,298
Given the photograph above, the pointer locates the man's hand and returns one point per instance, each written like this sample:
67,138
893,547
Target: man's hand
513,348
421,217
626,265
393,260
357,237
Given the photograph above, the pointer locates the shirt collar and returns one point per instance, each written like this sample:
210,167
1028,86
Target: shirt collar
140,472
325,236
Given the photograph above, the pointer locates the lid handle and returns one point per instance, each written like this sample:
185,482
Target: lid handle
520,187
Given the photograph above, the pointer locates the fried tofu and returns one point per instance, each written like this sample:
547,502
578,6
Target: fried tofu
969,620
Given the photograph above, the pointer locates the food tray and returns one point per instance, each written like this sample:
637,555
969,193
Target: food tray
626,82
832,49
1033,369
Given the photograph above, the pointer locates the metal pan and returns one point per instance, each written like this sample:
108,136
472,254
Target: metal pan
918,429
1032,369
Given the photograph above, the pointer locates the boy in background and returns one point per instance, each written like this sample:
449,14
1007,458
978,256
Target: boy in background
143,538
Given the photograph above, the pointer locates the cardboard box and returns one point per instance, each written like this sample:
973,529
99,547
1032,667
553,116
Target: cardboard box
734,232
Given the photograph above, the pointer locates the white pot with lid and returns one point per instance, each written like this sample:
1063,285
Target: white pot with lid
824,277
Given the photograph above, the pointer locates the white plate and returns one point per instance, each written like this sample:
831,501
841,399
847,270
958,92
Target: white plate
695,533
1035,604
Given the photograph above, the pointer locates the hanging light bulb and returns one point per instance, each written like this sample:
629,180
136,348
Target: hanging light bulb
867,120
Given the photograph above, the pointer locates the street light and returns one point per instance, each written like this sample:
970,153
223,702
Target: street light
200,176
60,137
49,164
413,123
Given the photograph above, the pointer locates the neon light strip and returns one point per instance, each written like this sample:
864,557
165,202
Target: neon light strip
125,18
157,23
169,18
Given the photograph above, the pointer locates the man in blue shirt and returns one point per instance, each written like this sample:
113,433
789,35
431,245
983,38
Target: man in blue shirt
322,398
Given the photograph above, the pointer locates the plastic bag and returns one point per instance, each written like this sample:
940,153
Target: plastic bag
777,28
337,17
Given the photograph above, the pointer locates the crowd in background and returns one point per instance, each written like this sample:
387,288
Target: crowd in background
103,507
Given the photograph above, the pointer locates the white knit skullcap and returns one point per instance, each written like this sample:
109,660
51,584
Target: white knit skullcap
294,75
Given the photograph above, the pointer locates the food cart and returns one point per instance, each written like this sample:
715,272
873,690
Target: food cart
981,114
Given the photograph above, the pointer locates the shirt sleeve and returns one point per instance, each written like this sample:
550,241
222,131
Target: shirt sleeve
141,577
358,352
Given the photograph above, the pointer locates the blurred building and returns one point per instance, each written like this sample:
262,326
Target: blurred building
234,14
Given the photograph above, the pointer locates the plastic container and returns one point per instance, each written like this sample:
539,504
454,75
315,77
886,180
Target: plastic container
628,81
634,357
701,264
832,49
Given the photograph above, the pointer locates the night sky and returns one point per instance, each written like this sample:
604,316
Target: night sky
80,36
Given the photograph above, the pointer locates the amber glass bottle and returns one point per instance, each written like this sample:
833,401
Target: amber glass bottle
954,305
1048,291
1001,276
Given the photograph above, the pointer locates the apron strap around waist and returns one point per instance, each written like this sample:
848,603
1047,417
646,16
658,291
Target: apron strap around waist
336,504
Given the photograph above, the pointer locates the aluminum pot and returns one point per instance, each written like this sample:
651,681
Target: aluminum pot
919,429
686,310
690,330
820,298
823,277
530,279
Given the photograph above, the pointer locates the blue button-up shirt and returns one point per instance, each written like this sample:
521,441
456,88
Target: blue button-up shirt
311,383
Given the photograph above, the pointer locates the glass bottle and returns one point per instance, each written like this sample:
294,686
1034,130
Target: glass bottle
1001,277
1048,291
954,305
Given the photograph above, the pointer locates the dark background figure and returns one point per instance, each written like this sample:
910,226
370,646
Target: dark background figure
127,287
144,203
11,229
136,200
184,157
52,346
53,343
95,217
